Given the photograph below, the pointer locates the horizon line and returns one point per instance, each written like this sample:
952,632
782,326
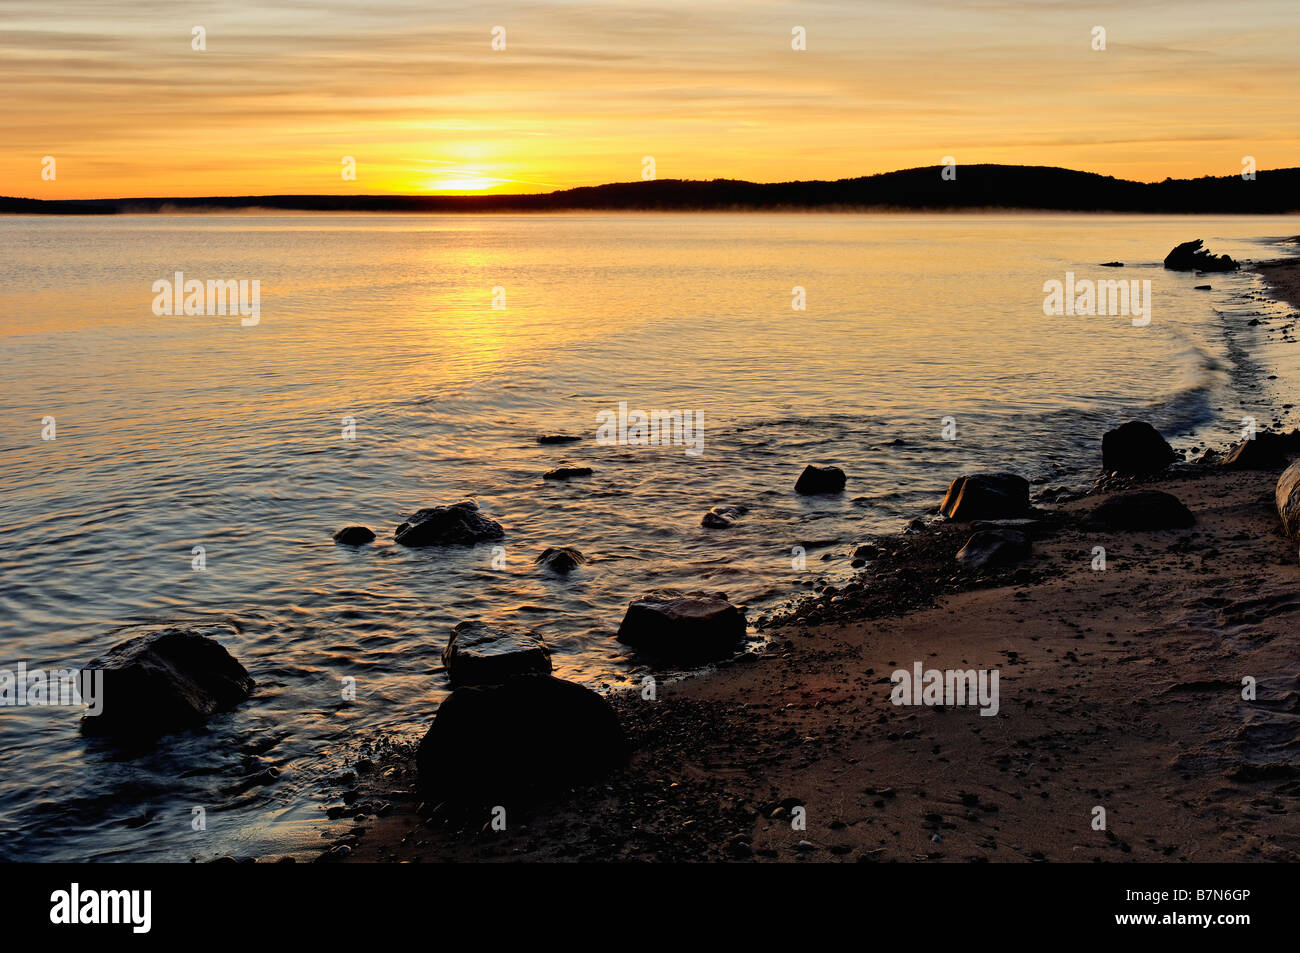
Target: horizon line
631,182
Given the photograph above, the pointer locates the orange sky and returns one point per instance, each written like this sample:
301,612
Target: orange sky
583,91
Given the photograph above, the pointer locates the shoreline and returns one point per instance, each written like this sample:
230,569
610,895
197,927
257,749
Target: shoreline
1120,689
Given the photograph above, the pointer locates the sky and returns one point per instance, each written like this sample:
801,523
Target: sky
416,95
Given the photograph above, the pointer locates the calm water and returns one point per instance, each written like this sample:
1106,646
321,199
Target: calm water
175,432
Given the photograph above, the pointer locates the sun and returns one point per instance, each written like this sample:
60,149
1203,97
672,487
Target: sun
466,183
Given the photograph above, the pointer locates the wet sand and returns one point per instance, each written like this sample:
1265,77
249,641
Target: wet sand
1119,689
1283,279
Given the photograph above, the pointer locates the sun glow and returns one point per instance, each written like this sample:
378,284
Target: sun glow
470,183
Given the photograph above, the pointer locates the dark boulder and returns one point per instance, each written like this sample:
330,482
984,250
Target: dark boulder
686,627
1136,448
461,523
1266,451
1143,510
721,517
815,479
354,536
994,547
1288,500
986,496
549,438
168,678
561,559
565,473
1191,256
481,654
528,736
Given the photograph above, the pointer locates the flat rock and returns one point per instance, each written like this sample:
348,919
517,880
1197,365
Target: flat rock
482,654
986,496
994,547
1135,448
1267,451
548,438
815,479
167,678
527,736
1144,510
354,536
566,473
459,524
561,559
1034,529
685,627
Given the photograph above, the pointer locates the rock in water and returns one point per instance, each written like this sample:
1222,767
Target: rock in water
1135,447
529,735
684,627
461,523
168,678
1144,510
986,496
548,438
1267,451
480,654
1190,256
815,479
721,517
1288,500
354,536
564,473
994,547
563,559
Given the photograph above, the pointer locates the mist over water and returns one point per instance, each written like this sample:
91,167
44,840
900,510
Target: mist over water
176,431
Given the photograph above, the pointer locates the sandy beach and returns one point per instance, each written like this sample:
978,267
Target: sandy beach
1120,689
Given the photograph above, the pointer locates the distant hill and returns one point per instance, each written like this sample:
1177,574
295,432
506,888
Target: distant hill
975,187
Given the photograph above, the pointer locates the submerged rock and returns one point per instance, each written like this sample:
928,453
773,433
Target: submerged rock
994,547
557,438
986,496
1287,496
461,523
563,559
721,517
481,654
526,736
564,473
815,479
168,678
1191,256
1144,510
685,627
354,536
1135,447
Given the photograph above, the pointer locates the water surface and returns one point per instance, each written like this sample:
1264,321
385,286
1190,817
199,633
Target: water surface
176,432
